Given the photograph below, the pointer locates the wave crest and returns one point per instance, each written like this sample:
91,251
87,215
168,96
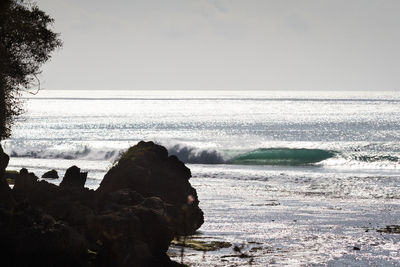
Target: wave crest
194,155
186,154
283,156
84,152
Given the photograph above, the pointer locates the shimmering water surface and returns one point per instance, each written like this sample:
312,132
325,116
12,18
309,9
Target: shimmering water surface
295,178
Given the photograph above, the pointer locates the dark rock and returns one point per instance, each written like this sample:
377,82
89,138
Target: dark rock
25,180
128,234
23,171
39,193
120,199
121,229
74,178
4,159
147,169
145,200
133,236
11,175
51,174
28,237
6,197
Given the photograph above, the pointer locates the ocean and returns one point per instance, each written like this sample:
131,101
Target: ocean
295,178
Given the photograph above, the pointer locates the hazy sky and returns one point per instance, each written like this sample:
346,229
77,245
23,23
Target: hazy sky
225,44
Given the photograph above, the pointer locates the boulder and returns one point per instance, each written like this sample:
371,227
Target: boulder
38,194
29,237
119,199
6,197
120,228
25,180
133,236
147,169
74,178
142,203
4,159
50,174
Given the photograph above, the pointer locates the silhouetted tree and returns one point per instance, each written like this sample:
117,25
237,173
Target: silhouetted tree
25,44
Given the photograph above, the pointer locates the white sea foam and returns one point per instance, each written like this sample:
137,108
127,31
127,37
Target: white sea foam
195,155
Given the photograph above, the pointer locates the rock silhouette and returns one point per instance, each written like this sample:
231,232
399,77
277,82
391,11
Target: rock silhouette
142,203
50,174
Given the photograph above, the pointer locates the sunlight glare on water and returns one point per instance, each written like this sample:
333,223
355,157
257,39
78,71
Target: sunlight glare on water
246,152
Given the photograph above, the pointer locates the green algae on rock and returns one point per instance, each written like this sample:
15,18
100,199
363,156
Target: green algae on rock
201,245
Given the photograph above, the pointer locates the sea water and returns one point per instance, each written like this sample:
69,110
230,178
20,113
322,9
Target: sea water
292,178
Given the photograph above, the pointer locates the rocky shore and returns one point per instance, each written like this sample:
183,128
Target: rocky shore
143,202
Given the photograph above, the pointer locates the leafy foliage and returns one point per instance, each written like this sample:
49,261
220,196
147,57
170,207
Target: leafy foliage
26,42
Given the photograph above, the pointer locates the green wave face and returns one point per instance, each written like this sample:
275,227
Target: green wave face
283,156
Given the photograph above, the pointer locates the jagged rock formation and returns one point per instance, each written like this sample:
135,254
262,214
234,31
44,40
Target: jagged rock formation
147,169
142,203
74,178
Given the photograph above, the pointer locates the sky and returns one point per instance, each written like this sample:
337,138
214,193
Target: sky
224,45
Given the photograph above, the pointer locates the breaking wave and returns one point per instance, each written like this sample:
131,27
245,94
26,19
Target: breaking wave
194,155
85,152
283,156
187,154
